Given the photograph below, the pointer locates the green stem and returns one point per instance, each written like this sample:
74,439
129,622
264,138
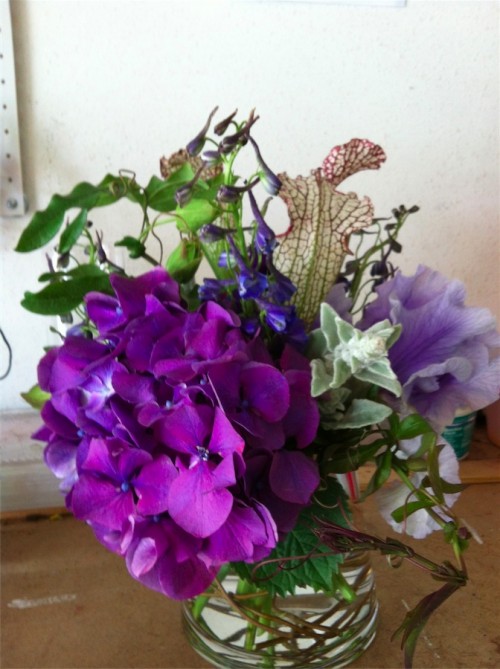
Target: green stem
365,259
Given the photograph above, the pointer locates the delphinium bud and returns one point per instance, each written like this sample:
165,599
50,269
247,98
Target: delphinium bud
212,233
184,194
197,143
230,142
268,178
211,158
265,239
231,194
223,125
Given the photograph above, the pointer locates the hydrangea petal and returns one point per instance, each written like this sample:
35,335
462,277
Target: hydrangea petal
266,390
196,504
99,501
293,476
152,485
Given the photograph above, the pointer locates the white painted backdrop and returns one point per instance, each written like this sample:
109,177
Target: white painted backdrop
111,84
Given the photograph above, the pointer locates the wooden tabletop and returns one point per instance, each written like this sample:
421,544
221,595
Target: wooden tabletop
67,603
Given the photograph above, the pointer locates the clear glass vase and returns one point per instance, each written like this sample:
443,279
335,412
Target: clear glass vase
231,628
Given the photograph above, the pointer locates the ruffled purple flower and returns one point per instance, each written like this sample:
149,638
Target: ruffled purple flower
155,428
444,357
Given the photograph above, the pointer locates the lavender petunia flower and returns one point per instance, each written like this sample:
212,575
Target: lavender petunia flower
444,356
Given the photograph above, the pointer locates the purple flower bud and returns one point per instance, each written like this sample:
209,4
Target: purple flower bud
268,178
211,158
265,239
223,125
231,194
184,194
281,287
195,145
214,289
212,233
226,259
229,143
228,194
279,318
250,326
251,284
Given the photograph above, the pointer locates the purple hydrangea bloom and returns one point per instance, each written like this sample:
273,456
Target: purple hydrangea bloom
444,358
156,428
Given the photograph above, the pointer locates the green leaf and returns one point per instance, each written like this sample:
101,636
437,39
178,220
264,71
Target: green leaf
196,213
402,512
51,276
363,412
412,426
315,566
416,619
36,397
86,271
135,248
384,462
72,232
64,296
433,473
46,224
184,261
452,488
348,460
160,193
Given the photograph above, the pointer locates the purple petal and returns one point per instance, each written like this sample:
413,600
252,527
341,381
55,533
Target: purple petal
60,457
45,368
196,504
57,422
444,356
245,534
186,428
134,388
293,477
302,419
152,485
266,390
105,311
224,438
182,580
131,292
101,502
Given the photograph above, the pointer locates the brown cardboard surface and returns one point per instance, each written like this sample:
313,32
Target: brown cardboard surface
69,603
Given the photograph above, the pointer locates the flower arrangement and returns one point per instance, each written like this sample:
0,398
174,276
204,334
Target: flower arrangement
196,425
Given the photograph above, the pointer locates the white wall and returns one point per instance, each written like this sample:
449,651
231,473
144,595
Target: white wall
118,83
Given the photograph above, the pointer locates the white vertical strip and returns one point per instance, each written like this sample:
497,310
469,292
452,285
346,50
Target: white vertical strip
12,202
